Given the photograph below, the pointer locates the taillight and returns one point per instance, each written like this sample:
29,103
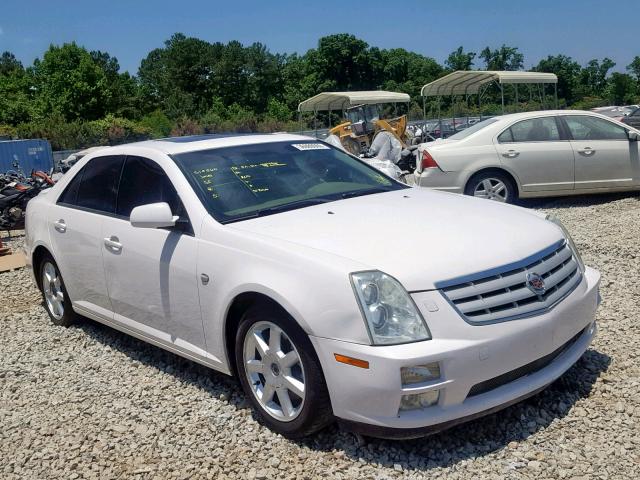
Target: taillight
428,161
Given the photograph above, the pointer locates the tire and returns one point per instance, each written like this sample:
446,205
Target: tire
492,185
352,146
54,294
273,372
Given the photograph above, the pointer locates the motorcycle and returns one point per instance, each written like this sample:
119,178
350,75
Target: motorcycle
15,193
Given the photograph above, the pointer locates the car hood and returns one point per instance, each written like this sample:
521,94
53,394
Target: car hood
419,236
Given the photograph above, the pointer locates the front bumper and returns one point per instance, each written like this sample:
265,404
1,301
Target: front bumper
468,355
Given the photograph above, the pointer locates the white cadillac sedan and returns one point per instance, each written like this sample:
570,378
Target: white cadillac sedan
276,258
534,154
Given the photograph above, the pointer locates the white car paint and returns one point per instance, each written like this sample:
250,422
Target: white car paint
147,283
539,168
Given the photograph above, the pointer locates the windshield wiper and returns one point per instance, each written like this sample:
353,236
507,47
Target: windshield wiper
279,208
359,193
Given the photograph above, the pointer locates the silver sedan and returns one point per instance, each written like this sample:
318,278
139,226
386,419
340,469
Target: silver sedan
534,154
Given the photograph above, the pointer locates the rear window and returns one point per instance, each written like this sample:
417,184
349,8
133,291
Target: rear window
473,129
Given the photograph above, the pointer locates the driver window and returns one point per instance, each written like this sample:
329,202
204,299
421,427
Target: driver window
143,181
583,127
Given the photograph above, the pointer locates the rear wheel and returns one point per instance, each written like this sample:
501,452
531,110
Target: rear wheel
280,374
492,185
56,300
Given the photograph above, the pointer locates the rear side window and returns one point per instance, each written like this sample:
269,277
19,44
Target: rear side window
143,181
70,194
583,127
99,185
534,130
95,186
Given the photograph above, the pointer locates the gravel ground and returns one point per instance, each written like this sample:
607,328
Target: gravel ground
89,402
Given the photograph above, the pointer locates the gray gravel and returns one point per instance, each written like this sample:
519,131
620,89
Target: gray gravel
89,402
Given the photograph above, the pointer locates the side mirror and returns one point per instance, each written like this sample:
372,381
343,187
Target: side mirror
633,136
152,215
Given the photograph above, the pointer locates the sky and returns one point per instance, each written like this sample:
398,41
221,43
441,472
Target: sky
128,30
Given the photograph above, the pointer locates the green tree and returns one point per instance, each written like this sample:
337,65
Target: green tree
503,58
16,104
179,77
622,89
593,78
634,68
568,72
460,60
68,81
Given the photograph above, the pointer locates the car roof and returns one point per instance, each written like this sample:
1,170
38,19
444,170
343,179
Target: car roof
191,143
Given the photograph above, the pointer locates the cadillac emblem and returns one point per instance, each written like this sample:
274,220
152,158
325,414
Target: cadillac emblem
535,283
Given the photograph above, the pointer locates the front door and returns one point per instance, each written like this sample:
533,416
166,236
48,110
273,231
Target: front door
151,272
537,154
605,158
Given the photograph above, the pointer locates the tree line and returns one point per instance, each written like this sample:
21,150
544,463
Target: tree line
75,97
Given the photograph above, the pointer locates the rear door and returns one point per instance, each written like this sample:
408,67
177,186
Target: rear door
604,156
75,227
537,152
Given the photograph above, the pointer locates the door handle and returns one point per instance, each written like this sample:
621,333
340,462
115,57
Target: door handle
113,243
510,154
60,226
587,151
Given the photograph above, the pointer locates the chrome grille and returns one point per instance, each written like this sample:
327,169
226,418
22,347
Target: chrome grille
505,295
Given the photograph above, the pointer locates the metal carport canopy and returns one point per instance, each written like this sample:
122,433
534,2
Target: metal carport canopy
342,100
466,82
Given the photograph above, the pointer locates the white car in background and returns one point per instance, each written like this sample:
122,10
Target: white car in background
533,154
271,257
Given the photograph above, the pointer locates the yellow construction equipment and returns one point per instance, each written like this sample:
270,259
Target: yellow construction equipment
362,112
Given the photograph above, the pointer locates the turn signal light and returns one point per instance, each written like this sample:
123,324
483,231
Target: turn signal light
355,362
428,161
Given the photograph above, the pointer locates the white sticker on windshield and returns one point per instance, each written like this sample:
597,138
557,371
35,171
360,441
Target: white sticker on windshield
309,146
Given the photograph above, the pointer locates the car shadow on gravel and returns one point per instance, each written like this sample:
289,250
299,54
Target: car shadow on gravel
478,437
186,371
464,442
576,201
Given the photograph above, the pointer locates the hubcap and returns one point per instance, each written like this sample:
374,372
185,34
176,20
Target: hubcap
274,371
491,189
53,291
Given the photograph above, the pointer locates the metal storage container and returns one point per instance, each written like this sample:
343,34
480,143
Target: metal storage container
28,154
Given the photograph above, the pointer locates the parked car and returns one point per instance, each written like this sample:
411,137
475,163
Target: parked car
633,119
71,160
273,257
533,154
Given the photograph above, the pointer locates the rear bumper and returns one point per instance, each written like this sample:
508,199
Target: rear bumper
437,179
368,400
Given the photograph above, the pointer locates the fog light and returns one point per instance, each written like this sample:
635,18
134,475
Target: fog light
419,400
420,373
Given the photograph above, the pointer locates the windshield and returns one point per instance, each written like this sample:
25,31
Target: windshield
241,182
473,129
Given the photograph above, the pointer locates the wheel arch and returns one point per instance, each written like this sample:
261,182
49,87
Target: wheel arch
497,169
238,306
36,258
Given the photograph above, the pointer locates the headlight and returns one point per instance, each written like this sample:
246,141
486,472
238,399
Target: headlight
391,315
567,235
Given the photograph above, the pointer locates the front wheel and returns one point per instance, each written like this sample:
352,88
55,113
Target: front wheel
280,374
492,186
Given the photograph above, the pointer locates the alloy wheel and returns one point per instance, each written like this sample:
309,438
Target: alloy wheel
274,371
492,189
53,290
